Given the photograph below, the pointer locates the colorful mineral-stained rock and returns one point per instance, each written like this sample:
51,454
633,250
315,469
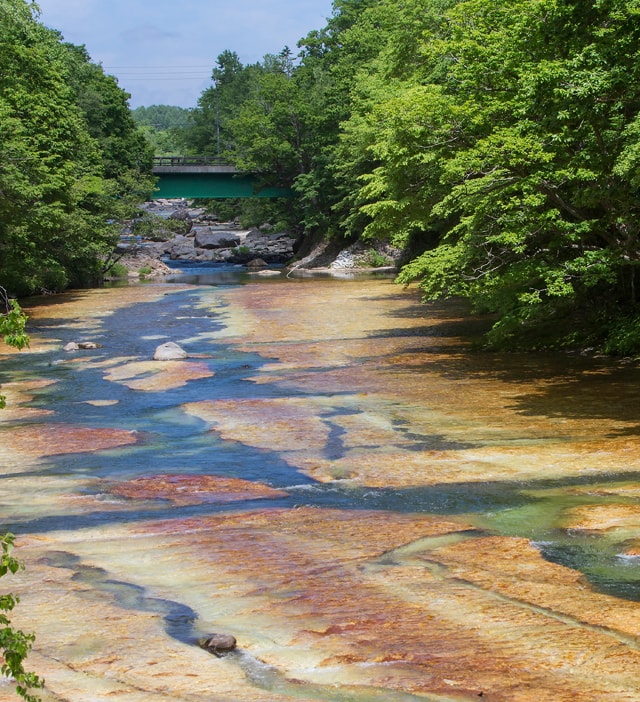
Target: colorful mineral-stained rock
151,376
194,489
441,593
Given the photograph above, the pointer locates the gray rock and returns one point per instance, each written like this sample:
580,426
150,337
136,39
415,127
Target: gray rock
182,215
207,256
77,345
170,351
218,643
256,264
215,239
181,247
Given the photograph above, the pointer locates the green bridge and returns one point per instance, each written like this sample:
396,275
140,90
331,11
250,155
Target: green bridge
193,177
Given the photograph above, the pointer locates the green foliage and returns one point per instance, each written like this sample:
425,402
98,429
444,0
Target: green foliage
160,125
14,644
156,228
506,140
72,162
208,130
161,117
373,259
499,142
12,326
12,322
117,270
163,142
623,338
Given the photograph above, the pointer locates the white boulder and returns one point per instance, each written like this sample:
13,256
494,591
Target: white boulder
169,351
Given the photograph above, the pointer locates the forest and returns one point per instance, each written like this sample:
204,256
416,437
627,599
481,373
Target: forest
73,163
497,144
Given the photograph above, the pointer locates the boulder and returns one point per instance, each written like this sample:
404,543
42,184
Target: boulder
169,351
216,239
77,345
218,643
256,264
207,256
181,247
183,216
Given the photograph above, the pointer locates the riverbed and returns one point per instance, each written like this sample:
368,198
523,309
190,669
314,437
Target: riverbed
335,476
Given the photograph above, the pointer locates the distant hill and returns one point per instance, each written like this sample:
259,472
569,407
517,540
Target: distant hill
161,117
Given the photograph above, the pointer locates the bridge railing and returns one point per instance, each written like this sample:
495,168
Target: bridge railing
190,161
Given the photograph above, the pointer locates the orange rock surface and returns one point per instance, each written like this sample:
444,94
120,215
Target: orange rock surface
366,391
194,489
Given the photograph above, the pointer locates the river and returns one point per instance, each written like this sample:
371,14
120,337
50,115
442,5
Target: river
374,509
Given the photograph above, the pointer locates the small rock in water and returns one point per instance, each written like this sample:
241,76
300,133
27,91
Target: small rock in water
75,346
257,264
169,352
218,643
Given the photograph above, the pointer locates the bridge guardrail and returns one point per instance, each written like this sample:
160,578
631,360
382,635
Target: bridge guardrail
190,161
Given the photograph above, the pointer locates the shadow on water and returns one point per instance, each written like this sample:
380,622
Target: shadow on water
566,384
599,561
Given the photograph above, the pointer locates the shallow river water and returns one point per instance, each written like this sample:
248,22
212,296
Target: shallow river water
334,476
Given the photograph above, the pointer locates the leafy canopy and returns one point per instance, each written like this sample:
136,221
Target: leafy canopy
72,161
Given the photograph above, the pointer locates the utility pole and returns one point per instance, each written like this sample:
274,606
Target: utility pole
217,119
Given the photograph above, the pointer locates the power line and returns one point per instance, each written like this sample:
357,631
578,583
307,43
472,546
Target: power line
162,75
173,65
164,79
151,73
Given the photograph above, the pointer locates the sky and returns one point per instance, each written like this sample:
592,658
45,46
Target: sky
162,51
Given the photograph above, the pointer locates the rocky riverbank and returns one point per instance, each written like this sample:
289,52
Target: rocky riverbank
173,230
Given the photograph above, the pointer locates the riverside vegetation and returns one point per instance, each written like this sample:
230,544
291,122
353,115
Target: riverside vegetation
498,144
72,160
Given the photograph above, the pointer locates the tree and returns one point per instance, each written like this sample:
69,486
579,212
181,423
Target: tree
503,139
162,117
161,125
543,229
207,132
71,160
